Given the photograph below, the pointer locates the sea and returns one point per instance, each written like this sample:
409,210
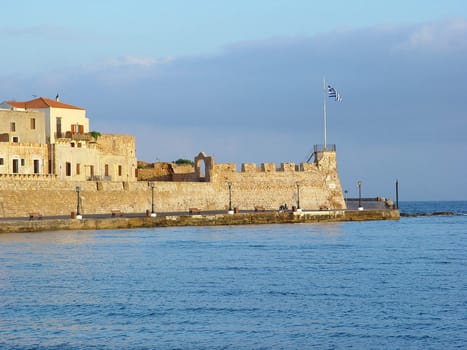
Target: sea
359,285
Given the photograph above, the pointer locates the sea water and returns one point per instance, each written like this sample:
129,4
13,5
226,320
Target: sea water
363,285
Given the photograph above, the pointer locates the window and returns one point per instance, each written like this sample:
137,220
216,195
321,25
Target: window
59,127
1,161
36,166
77,128
15,166
68,168
119,170
78,170
72,144
106,170
15,139
12,126
22,162
32,123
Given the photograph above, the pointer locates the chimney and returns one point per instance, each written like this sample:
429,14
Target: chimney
57,98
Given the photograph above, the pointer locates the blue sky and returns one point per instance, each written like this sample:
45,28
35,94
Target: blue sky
242,80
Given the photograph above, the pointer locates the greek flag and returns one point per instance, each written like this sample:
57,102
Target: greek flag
334,94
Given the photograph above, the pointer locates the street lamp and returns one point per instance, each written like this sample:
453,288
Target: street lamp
298,196
397,194
153,214
78,213
359,185
230,197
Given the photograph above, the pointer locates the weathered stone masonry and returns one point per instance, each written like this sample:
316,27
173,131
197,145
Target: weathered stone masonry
205,188
47,150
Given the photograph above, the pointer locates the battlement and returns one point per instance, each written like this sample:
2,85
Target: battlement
323,158
272,167
205,168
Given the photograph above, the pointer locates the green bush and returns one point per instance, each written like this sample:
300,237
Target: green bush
95,134
184,162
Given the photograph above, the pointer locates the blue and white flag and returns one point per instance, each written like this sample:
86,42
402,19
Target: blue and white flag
334,94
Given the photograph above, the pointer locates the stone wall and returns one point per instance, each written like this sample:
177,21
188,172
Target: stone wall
20,195
315,185
163,171
267,186
156,171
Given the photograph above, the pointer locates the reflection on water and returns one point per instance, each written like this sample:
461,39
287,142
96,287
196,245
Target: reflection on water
55,237
379,284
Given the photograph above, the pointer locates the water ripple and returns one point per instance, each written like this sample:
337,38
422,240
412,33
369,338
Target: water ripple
351,285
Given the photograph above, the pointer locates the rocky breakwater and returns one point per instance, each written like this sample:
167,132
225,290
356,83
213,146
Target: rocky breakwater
436,213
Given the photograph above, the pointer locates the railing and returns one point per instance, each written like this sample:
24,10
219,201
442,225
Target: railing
74,136
17,176
82,137
369,203
321,148
366,199
99,178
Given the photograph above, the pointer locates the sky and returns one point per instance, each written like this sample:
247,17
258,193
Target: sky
243,81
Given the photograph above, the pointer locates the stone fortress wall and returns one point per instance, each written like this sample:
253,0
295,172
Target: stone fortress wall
47,151
205,188
316,185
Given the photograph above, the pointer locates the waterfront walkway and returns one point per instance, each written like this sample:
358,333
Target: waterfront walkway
211,218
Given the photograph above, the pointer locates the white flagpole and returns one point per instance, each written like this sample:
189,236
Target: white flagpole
324,109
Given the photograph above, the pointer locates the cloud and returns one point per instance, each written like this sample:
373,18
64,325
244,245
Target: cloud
445,36
138,61
42,31
262,101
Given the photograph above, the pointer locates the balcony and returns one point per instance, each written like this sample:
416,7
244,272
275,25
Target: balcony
99,178
74,136
328,147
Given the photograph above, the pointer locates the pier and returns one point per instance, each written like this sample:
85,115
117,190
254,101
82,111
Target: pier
100,222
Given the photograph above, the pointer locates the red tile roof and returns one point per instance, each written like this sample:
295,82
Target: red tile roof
41,102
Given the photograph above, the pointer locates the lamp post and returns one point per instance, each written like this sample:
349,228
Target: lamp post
230,197
359,185
153,214
78,212
298,196
397,194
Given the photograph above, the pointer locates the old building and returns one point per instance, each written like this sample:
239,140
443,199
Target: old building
47,137
47,151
